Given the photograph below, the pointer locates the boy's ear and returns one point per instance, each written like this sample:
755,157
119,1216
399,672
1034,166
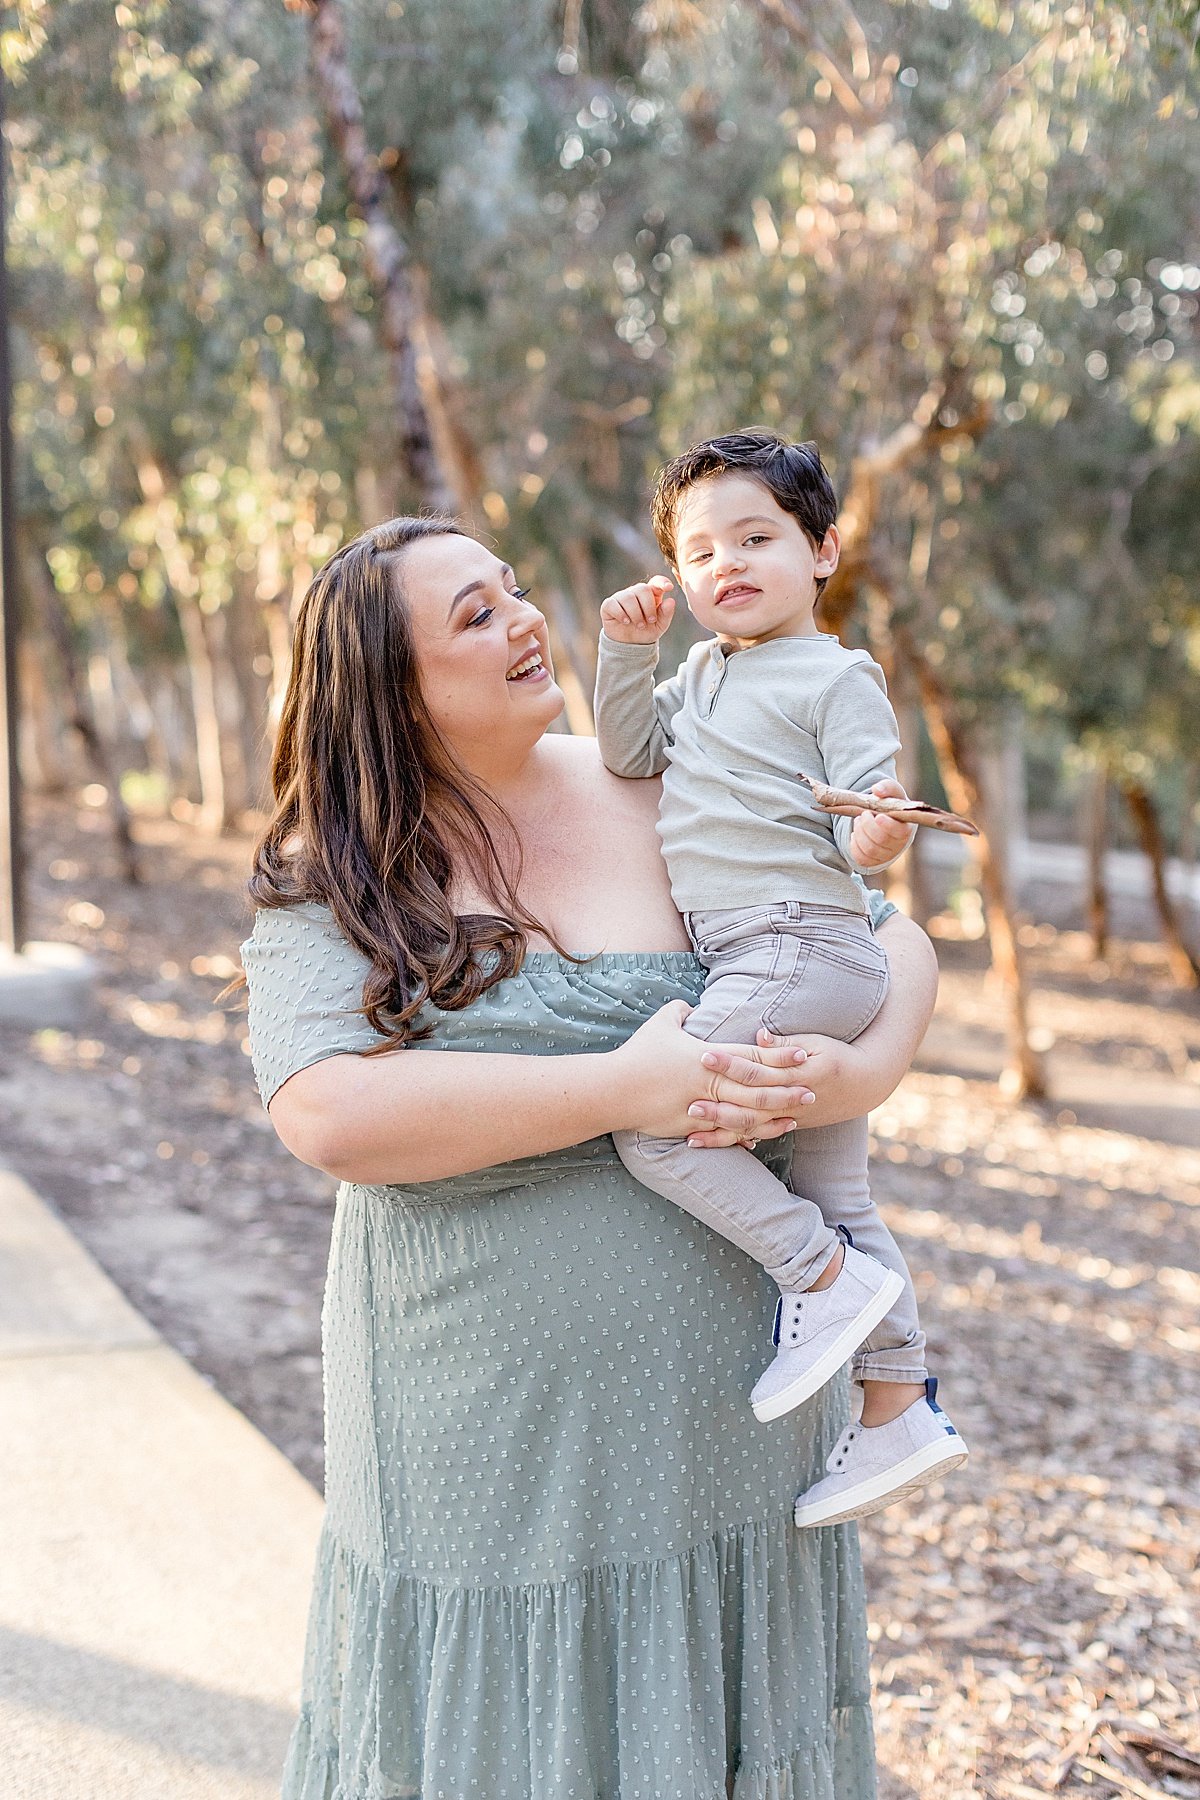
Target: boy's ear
826,560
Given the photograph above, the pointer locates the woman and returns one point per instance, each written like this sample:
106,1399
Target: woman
558,1560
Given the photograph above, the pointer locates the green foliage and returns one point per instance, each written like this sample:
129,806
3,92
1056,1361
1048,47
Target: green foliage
687,217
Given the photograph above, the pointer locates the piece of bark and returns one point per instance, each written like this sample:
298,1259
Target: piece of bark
848,804
1128,1784
1158,1745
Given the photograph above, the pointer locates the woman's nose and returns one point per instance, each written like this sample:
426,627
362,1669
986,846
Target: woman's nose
527,617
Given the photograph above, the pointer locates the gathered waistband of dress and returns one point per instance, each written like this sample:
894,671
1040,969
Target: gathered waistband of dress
503,1178
607,960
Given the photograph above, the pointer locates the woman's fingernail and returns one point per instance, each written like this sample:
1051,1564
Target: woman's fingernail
693,1143
709,1060
695,1112
799,1056
791,1125
807,1099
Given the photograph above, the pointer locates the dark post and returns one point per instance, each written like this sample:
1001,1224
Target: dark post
12,897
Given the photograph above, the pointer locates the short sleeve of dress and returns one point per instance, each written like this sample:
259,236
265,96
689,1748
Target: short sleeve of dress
304,984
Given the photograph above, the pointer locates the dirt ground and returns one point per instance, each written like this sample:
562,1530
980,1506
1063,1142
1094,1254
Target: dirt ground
1035,1619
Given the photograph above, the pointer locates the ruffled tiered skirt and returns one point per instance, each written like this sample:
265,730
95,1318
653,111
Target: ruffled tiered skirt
655,1680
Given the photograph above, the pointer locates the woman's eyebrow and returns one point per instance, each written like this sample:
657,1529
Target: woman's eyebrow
473,587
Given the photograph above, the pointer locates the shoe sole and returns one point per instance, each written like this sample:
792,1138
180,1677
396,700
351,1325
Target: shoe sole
873,1495
815,1377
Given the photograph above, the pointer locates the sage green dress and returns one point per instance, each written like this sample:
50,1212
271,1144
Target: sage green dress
558,1561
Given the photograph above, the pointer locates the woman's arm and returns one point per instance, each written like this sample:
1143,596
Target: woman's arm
423,1115
849,1080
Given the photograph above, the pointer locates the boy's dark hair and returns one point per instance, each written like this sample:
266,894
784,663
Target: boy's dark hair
792,473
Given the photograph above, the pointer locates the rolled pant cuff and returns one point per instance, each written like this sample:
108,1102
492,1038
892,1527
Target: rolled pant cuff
871,1366
797,1275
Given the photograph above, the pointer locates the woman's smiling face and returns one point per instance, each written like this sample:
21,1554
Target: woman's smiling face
482,649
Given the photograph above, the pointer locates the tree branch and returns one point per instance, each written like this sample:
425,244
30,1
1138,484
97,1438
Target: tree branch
384,249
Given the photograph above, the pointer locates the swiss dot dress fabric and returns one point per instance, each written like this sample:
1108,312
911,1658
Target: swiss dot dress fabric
558,1560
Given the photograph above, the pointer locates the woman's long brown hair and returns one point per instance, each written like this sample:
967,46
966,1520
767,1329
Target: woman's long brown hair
373,813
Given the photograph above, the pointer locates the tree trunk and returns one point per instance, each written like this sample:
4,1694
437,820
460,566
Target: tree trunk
566,671
910,889
456,450
46,600
202,688
1181,958
859,514
237,702
583,605
43,726
1025,1077
385,253
183,586
1096,803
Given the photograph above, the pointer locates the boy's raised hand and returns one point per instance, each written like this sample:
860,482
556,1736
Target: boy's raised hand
639,614
875,838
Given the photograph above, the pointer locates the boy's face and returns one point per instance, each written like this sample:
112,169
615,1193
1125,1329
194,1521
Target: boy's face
746,566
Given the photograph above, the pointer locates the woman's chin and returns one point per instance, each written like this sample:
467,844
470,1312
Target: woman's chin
543,696
556,700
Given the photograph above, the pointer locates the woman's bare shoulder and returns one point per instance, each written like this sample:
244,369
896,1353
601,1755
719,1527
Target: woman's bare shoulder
579,759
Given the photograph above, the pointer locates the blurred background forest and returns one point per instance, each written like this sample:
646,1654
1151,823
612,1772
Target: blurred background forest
279,268
283,267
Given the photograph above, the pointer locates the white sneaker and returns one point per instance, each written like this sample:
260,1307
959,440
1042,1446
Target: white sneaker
872,1466
816,1331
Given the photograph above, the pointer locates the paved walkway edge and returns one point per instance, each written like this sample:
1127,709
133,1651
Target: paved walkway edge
158,1550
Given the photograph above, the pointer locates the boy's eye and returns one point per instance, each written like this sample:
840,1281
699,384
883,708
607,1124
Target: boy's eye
757,537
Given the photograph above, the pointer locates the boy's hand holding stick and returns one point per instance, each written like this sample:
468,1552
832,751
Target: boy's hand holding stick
848,804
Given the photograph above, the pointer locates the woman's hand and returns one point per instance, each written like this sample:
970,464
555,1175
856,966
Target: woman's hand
675,1085
849,1080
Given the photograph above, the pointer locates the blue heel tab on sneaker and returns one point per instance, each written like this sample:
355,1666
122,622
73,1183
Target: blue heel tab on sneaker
931,1401
775,1329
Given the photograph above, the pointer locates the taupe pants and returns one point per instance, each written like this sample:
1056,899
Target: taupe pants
790,966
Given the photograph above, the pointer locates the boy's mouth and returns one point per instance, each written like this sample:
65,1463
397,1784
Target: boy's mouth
737,590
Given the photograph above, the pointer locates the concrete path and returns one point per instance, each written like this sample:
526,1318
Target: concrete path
155,1550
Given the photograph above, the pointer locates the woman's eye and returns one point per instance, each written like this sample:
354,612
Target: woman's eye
482,616
522,593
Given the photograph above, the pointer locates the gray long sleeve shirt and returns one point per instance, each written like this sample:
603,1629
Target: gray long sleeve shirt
729,733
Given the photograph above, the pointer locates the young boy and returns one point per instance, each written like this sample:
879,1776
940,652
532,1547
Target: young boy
766,885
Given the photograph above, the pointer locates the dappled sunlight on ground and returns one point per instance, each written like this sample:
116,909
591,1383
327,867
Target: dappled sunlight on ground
1048,1593
1034,1617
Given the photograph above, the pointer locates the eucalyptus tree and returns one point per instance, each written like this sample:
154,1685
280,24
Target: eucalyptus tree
182,374
951,239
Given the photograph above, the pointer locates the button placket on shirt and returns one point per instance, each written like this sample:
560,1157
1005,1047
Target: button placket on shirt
720,663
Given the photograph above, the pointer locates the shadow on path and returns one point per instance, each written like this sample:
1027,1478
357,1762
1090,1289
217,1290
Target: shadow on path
195,1723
